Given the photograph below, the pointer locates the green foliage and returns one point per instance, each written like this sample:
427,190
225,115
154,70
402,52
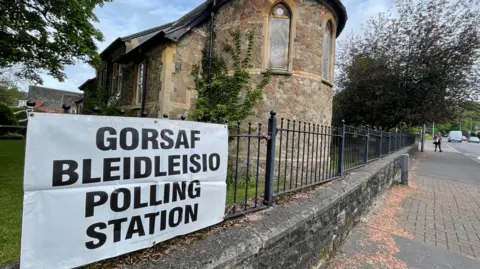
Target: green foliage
6,115
467,120
16,109
417,66
11,136
104,108
241,179
48,35
324,254
9,94
227,96
409,130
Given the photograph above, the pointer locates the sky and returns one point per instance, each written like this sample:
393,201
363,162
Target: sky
125,17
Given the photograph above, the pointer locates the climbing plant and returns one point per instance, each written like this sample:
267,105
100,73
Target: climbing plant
227,96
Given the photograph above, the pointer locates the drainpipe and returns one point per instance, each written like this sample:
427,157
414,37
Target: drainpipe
210,47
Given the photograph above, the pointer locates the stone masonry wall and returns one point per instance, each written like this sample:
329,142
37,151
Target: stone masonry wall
154,81
188,52
301,95
302,233
126,95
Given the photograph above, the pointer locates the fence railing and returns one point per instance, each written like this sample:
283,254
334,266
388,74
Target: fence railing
285,156
292,155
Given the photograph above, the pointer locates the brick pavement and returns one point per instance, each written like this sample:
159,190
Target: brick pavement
444,213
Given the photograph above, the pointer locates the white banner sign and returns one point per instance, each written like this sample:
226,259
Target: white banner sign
97,187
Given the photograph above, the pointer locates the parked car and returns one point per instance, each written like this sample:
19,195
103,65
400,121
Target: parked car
474,139
464,138
455,136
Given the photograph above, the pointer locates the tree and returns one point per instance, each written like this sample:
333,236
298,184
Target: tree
47,35
417,66
9,94
222,96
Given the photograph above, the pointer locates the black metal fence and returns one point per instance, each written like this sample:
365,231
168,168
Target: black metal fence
270,161
290,155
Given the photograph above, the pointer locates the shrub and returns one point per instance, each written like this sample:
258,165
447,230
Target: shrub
6,115
11,136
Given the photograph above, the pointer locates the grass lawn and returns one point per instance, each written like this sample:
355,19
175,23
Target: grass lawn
241,193
11,193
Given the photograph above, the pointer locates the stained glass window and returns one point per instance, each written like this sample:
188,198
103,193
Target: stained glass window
279,37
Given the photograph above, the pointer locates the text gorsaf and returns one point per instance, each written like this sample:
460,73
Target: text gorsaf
67,173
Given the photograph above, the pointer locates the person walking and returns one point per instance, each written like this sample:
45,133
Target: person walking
438,141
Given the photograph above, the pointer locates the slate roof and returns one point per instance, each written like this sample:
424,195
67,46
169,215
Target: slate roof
175,30
52,98
83,86
172,31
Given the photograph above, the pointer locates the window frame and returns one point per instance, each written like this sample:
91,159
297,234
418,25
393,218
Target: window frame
285,18
266,13
104,79
119,80
328,78
139,83
114,79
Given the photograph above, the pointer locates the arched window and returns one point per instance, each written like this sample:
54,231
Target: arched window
279,37
327,50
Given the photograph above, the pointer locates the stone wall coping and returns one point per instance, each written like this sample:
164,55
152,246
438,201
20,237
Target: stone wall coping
226,248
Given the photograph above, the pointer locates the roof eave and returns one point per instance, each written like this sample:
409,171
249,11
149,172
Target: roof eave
85,83
340,13
115,43
138,50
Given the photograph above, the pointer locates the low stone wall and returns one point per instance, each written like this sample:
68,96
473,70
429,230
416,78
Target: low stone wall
302,233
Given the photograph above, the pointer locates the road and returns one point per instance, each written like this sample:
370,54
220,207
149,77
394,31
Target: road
457,162
472,150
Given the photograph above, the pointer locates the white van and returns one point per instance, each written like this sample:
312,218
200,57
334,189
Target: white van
455,136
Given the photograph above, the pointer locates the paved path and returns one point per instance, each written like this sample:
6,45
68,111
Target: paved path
434,223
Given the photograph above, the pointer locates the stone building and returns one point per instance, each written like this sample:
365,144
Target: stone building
52,100
295,38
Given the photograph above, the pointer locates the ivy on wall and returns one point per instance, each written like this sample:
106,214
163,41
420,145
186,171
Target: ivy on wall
227,96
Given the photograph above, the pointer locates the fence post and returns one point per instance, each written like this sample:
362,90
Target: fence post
30,106
66,108
404,165
389,141
396,142
367,142
341,149
270,169
381,142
